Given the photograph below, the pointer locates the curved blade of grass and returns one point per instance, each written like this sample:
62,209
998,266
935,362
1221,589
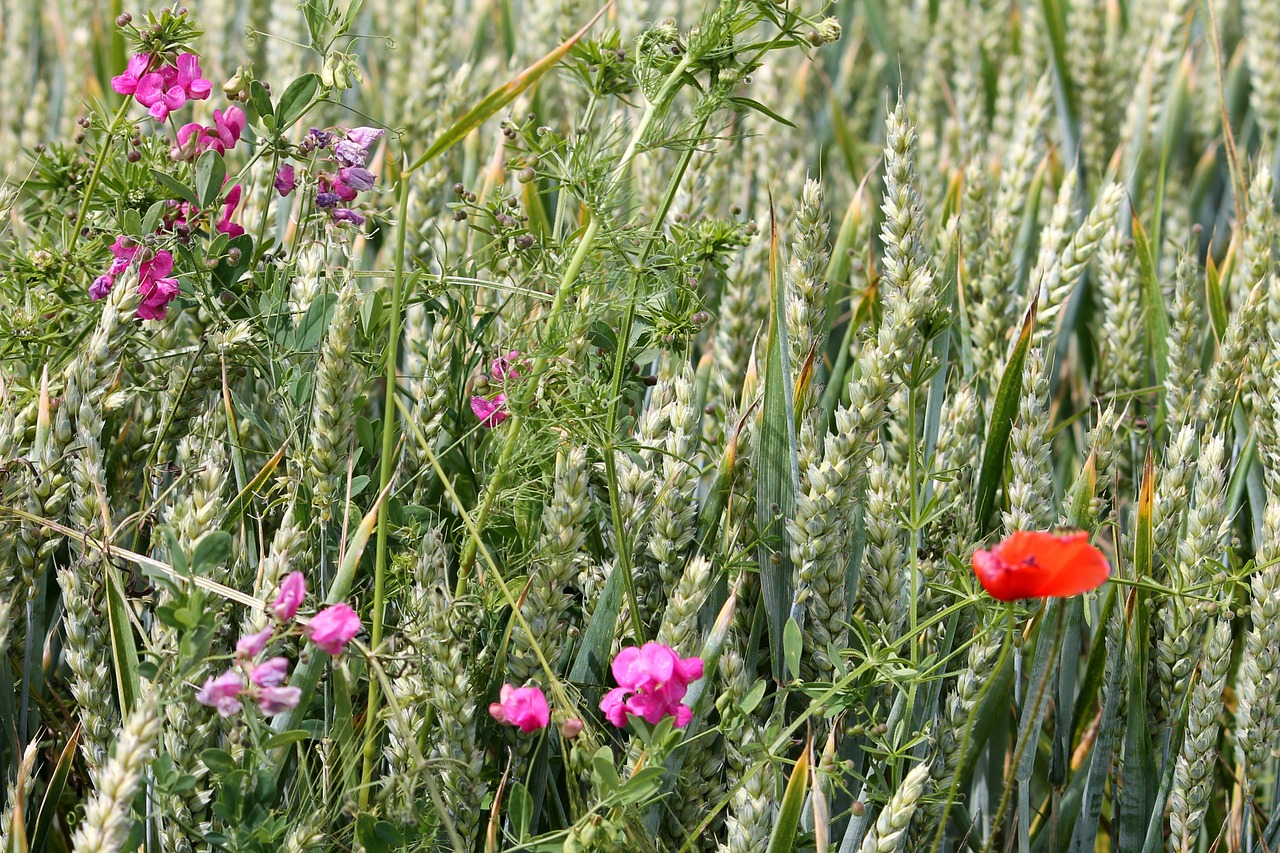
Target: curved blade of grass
241,501
1138,794
53,792
1055,24
784,828
491,103
1085,833
124,650
1155,316
1003,411
777,465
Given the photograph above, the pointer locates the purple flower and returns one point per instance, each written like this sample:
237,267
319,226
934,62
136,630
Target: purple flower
346,214
292,590
220,693
325,201
286,180
332,628
270,673
276,700
356,177
251,645
316,138
101,286
354,149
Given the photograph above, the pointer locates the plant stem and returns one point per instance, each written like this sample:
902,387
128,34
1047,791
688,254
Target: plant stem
97,172
386,470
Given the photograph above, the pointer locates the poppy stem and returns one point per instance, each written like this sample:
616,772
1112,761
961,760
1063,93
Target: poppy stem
1028,730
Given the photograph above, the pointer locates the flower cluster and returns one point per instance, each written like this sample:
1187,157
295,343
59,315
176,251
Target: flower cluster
493,410
165,88
155,284
263,681
342,170
652,681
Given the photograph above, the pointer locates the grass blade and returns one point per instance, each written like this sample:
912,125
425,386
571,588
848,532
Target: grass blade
784,829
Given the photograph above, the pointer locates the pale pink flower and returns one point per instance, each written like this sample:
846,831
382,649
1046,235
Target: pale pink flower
490,412
270,673
651,680
332,628
523,707
293,589
220,693
251,645
277,700
354,149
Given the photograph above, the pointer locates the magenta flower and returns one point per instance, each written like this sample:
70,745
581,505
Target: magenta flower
490,412
332,628
346,214
270,673
101,286
229,205
251,645
354,149
292,590
277,700
220,693
194,138
127,83
504,367
651,682
523,707
156,287
356,178
160,92
286,180
189,78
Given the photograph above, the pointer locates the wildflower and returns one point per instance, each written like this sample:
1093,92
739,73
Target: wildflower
127,83
357,178
160,93
194,138
504,367
346,214
657,679
292,590
523,707
332,628
101,286
490,412
276,700
270,673
229,205
1032,564
189,78
285,180
316,139
156,287
354,149
326,200
220,693
251,646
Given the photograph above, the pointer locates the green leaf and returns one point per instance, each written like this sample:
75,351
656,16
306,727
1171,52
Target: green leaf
1214,297
1086,829
124,651
152,220
219,762
176,188
752,104
212,550
792,647
286,738
296,100
519,811
1155,317
51,804
777,465
491,103
210,172
1003,411
788,820
261,100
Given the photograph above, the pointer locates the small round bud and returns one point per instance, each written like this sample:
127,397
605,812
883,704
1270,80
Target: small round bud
233,256
133,156
524,241
571,728
858,808
79,137
459,215
526,175
459,189
123,20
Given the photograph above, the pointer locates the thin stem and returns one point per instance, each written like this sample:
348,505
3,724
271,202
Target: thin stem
387,469
97,171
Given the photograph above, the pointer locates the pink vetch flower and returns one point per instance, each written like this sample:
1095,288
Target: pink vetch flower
127,83
195,138
158,289
270,673
522,707
277,700
490,412
358,178
353,150
251,645
292,590
505,367
160,92
332,628
286,180
342,215
229,205
651,680
220,693
190,79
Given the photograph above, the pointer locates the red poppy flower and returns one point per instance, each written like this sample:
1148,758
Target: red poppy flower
1032,564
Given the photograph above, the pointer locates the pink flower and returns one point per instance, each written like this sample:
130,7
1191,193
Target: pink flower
156,287
490,412
194,138
189,80
357,178
651,682
346,214
332,628
270,673
221,692
285,180
127,83
354,149
504,367
229,205
101,286
160,92
292,590
276,700
251,645
523,707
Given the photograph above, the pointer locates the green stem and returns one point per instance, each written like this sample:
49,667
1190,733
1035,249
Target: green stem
97,172
387,469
